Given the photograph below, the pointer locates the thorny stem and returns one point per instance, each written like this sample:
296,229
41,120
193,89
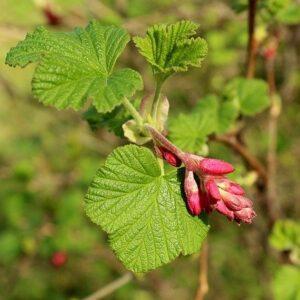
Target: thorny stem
252,43
134,113
203,286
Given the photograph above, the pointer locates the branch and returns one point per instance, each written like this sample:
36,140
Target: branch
203,282
274,112
252,44
247,156
111,287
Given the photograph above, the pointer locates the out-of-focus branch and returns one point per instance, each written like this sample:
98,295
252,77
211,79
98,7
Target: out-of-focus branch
232,142
252,43
203,281
274,112
111,287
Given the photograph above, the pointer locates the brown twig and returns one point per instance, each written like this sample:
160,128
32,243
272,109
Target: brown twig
203,281
252,43
247,156
274,112
111,287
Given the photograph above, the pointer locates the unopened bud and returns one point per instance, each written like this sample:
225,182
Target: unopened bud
192,193
212,189
215,166
170,157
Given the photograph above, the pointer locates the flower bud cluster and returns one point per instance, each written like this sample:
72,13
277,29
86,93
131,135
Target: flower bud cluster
208,189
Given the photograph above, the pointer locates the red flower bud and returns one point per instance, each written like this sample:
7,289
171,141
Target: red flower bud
215,166
170,157
223,209
192,193
245,215
212,189
239,206
59,258
235,188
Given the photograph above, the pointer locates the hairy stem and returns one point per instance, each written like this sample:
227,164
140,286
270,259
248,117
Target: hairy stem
156,98
163,141
203,281
134,113
252,43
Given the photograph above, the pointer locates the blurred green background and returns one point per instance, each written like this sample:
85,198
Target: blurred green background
49,157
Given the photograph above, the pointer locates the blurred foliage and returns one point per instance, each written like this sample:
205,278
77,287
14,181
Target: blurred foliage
48,158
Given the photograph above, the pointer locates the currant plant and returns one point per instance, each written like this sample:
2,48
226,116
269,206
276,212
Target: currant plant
151,216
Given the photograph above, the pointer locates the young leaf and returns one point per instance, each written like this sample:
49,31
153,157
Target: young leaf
252,95
77,66
171,48
142,210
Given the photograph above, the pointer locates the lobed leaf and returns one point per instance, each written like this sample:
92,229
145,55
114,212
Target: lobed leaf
77,66
171,48
142,210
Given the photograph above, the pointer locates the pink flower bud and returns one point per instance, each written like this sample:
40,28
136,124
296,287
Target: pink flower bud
223,209
215,166
235,188
212,189
239,206
170,157
245,215
192,193
230,186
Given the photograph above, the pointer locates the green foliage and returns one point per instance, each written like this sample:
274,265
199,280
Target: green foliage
112,120
285,236
286,283
211,115
252,95
77,66
10,247
171,48
142,210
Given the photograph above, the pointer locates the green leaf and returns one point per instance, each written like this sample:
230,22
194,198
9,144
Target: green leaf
170,48
112,120
227,113
286,283
252,95
290,15
77,66
133,133
190,131
285,235
142,210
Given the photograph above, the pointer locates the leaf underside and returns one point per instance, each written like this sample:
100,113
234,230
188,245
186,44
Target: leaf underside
142,211
77,66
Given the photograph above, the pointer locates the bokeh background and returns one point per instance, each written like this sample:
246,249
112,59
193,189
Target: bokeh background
49,157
